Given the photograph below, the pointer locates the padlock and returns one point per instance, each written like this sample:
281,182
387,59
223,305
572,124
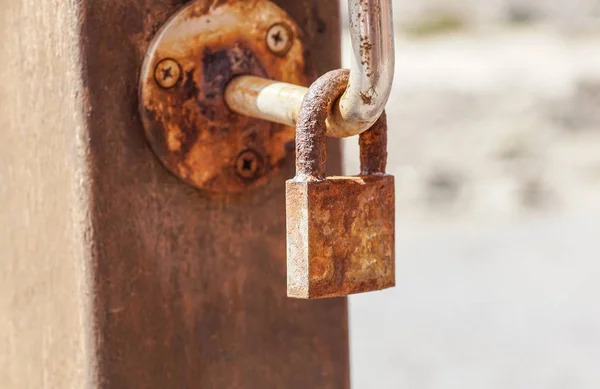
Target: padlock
340,230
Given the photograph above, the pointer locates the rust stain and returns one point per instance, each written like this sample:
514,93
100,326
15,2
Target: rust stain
187,122
201,280
248,165
340,236
280,39
365,48
317,106
373,148
167,73
366,99
340,230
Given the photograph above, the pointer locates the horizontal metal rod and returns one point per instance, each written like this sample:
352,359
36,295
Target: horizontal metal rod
371,77
260,98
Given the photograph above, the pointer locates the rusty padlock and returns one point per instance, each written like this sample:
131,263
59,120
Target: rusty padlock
340,230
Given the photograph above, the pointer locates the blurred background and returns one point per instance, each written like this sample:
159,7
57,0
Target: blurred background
495,144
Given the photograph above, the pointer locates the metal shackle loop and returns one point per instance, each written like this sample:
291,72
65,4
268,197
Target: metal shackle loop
373,147
365,96
311,153
316,107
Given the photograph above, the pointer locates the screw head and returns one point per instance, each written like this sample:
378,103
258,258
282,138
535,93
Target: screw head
167,73
248,164
280,39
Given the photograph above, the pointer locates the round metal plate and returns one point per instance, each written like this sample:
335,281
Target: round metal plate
189,63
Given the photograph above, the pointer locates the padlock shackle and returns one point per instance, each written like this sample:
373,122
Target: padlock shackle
311,153
371,77
373,148
371,70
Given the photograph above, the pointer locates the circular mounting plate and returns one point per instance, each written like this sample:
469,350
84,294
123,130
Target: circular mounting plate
188,65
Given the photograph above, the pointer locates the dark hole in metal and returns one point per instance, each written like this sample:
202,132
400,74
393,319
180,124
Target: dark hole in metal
247,164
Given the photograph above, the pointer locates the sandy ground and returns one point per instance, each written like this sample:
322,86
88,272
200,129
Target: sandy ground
494,143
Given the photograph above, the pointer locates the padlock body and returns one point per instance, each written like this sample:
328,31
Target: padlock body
340,236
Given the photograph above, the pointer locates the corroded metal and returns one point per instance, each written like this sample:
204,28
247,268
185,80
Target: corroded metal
188,289
373,148
167,73
280,38
188,66
248,164
270,100
310,130
372,68
340,230
371,77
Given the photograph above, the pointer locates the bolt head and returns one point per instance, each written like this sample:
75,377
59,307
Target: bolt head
280,39
167,73
248,164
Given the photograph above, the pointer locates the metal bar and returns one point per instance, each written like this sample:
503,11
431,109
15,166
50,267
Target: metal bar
265,99
371,77
372,68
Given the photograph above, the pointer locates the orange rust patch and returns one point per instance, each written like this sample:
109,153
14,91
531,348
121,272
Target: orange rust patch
340,236
188,124
366,99
340,230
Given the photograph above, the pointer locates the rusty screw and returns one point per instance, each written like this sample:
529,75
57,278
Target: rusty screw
279,39
167,73
248,164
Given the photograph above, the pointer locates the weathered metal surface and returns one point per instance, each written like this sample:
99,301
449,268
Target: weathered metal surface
191,60
311,153
372,68
373,148
189,289
280,38
371,77
260,98
167,73
340,230
340,236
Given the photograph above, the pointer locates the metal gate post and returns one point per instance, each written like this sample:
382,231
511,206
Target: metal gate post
190,289
114,273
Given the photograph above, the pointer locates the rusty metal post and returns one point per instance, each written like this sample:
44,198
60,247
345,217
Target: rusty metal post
115,274
189,288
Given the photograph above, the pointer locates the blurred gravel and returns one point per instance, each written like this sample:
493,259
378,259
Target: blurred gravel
574,16
494,139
